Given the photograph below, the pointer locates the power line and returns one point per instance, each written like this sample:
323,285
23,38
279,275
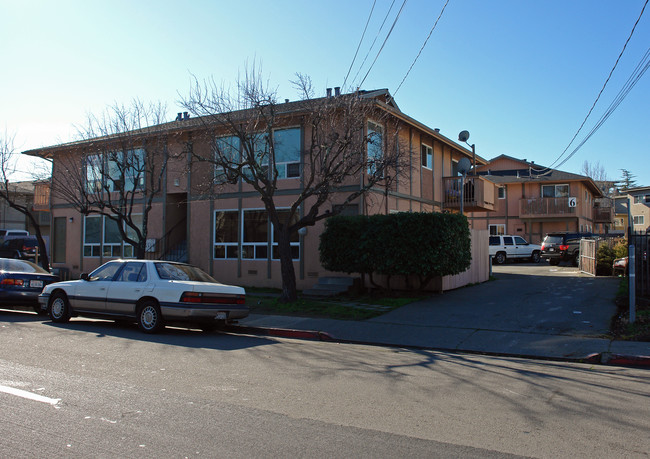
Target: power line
598,98
384,43
422,48
374,41
360,41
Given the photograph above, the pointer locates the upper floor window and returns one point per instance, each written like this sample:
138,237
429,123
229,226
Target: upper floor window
115,171
286,146
555,191
497,229
501,192
427,156
375,146
638,219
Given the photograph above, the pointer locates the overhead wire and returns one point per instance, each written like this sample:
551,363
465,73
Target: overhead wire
384,43
372,45
360,41
422,48
557,162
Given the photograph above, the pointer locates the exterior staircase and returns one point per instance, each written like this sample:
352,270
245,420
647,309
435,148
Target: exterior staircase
330,286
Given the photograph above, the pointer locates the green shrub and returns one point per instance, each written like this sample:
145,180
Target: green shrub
604,260
620,249
406,243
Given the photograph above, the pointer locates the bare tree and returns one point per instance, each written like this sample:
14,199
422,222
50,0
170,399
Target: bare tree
339,150
120,172
595,171
8,193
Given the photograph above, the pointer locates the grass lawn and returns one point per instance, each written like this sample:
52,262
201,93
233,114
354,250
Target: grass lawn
340,307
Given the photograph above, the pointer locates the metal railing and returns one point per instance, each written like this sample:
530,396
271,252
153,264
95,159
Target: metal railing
478,193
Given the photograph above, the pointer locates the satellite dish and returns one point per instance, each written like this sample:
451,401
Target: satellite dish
464,164
463,136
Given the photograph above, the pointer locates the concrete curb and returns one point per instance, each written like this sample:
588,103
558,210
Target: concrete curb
604,358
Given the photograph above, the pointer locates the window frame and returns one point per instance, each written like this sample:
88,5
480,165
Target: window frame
638,220
104,249
501,190
426,156
497,227
555,193
371,161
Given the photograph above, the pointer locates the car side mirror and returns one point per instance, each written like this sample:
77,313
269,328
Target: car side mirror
84,276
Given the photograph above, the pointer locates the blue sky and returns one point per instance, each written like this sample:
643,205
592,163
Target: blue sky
520,76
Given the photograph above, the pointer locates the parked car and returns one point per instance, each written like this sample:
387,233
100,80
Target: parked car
503,247
620,266
563,246
22,247
21,282
7,233
153,293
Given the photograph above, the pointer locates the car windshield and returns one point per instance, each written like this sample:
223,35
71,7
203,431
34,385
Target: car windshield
20,266
553,240
176,271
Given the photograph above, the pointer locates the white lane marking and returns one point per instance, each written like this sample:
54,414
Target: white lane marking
29,395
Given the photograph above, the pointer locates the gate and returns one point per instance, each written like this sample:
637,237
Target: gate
588,250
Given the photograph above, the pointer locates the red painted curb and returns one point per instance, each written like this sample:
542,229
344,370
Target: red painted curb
635,360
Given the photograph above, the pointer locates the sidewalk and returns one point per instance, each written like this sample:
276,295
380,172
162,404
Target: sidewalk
529,311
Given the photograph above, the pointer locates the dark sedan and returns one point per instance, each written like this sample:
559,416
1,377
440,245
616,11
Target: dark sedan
21,282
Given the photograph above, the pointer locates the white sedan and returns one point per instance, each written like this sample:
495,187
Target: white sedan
151,292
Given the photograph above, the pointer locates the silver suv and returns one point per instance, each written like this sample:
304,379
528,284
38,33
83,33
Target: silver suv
516,247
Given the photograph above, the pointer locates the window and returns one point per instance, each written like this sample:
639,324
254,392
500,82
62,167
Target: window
454,168
226,228
286,144
225,149
638,219
495,240
105,272
254,233
497,229
102,237
115,171
555,191
507,240
637,199
134,271
427,156
375,146
502,192
520,240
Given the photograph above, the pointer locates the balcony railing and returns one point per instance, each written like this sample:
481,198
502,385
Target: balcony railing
478,193
603,215
545,208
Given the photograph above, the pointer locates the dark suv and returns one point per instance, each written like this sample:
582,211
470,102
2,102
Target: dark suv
557,247
19,247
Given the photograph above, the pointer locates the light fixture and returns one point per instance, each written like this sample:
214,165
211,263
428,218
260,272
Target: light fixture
71,219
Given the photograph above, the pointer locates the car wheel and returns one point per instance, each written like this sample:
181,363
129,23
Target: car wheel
535,257
149,317
576,259
59,309
500,258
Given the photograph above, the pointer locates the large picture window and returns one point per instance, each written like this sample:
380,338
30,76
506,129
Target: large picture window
254,229
102,237
115,171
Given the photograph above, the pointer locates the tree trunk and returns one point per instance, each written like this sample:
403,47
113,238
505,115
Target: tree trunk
289,293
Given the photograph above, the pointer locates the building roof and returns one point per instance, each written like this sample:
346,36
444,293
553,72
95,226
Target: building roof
381,97
531,172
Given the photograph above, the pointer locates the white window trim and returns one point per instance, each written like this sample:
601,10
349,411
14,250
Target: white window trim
429,147
124,245
555,185
499,192
216,244
498,226
638,220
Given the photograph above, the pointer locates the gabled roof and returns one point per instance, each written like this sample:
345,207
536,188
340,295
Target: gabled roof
531,172
381,97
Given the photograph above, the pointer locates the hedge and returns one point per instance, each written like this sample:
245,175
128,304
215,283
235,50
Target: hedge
407,243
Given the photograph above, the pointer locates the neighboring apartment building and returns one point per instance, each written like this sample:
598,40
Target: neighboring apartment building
533,201
23,194
639,199
228,234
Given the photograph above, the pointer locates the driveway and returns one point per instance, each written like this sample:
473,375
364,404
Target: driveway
525,297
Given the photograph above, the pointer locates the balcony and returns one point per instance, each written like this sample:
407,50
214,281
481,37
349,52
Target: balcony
545,208
603,215
42,196
478,193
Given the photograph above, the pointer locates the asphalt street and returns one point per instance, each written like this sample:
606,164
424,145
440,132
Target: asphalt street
110,391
